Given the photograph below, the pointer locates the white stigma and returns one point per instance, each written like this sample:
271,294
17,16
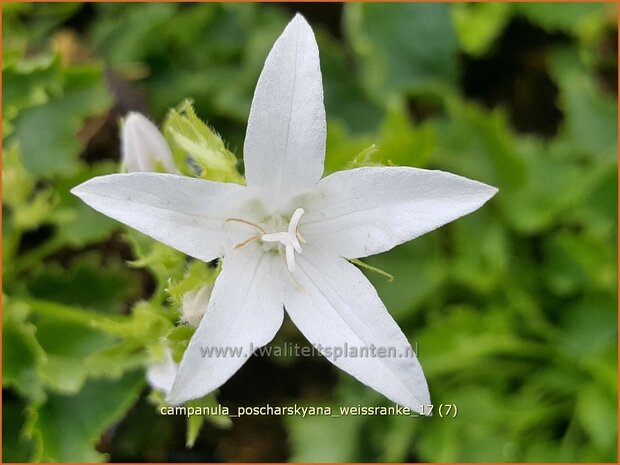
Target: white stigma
289,239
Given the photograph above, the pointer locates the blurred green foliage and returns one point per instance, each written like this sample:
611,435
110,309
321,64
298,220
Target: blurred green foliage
513,307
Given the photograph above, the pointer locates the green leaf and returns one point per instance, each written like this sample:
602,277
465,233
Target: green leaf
307,432
127,33
147,323
30,207
401,143
35,23
116,360
28,82
17,184
162,261
600,205
398,439
553,186
79,344
478,25
67,428
590,113
22,356
79,224
398,142
402,47
575,262
474,335
450,439
596,410
37,211
481,251
589,327
342,147
48,143
195,422
178,338
345,99
572,17
67,344
479,145
16,447
418,274
224,48
86,283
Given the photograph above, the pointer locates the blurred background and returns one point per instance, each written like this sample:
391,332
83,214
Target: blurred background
513,309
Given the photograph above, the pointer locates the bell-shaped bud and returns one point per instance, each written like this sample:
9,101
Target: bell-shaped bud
195,304
144,147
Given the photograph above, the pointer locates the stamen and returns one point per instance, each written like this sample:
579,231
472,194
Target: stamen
289,239
246,242
299,236
239,220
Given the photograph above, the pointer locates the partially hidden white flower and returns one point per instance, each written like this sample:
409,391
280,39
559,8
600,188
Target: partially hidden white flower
194,304
285,237
161,375
143,147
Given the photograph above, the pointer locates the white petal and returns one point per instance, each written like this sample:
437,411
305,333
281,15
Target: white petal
284,146
161,375
245,312
336,305
185,213
366,211
143,145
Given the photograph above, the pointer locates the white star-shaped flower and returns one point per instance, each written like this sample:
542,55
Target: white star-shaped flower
285,237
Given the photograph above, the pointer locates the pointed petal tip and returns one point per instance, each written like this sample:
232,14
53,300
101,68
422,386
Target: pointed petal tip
423,405
183,390
134,116
492,190
299,18
78,190
174,401
483,190
284,147
418,400
83,187
172,398
134,120
176,395
300,24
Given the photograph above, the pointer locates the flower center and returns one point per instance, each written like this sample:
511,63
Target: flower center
289,239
